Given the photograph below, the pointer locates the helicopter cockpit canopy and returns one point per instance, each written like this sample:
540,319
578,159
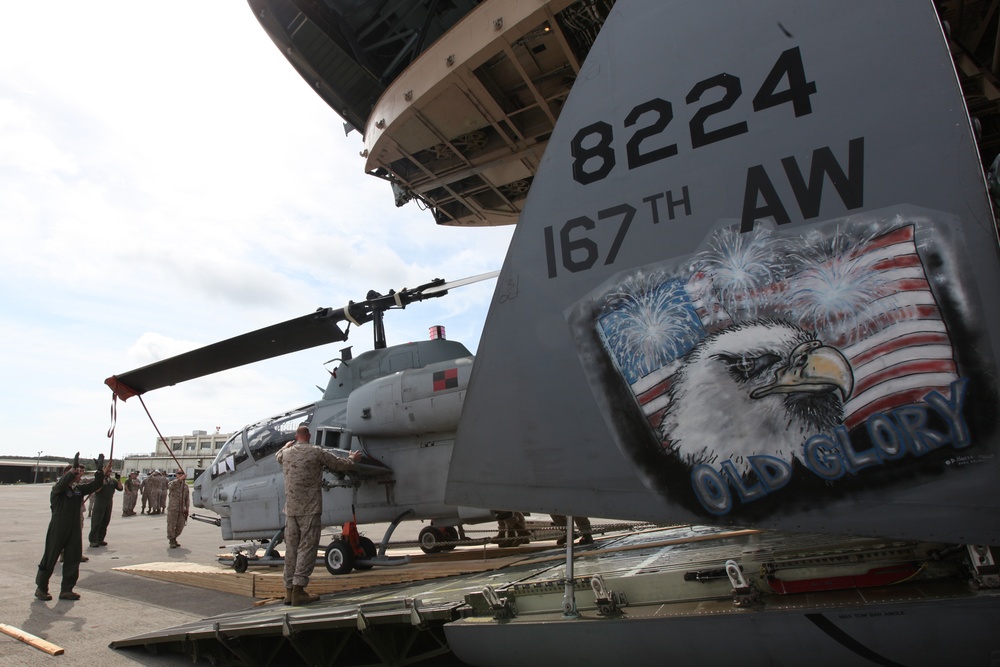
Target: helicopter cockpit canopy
231,454
260,440
267,437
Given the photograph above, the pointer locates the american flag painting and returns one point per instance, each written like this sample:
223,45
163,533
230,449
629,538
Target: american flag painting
907,353
868,295
651,325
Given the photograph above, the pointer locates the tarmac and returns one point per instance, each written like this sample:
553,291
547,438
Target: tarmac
113,605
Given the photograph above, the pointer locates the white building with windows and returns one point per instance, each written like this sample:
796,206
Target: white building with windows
195,453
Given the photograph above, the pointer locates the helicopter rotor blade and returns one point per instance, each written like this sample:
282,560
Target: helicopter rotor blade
293,335
290,336
444,287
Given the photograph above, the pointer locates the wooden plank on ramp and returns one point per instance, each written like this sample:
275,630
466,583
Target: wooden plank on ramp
268,582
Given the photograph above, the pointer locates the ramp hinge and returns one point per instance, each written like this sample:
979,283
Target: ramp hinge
744,593
609,603
985,571
502,608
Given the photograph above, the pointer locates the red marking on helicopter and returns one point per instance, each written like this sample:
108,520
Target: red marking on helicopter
446,379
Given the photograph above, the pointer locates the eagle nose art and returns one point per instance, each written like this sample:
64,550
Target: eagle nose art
814,368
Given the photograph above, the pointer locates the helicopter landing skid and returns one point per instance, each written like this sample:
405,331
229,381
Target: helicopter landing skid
244,555
389,531
381,559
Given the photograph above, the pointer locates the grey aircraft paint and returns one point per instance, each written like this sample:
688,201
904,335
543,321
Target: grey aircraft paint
754,283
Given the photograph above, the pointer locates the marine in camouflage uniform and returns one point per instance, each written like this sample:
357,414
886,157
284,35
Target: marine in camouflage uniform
161,490
178,504
65,533
144,489
104,500
154,491
303,465
131,493
582,523
512,529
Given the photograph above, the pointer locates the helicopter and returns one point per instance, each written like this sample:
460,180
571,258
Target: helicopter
398,405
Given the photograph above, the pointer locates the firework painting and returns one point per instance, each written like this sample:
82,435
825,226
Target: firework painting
649,325
868,295
707,350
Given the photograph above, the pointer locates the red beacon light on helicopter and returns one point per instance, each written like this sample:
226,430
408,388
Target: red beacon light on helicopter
436,332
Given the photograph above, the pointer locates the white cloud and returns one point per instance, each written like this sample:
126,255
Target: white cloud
167,180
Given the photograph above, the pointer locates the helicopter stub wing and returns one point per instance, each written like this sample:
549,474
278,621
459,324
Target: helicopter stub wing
368,468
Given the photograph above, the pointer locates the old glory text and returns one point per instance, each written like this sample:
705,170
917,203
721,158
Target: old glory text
902,432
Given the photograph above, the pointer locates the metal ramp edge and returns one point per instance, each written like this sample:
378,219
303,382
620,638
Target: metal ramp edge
376,632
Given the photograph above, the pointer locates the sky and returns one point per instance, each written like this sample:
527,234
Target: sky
167,180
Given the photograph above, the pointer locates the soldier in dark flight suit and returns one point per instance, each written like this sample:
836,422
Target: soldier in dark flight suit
104,500
65,533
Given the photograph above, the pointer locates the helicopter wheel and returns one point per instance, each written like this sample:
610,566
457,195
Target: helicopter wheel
369,548
450,535
240,563
339,558
430,539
